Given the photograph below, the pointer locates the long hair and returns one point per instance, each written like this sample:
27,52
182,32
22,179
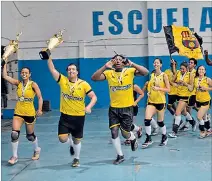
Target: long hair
197,73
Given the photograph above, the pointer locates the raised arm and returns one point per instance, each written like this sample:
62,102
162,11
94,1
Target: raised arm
208,61
52,69
98,75
140,92
8,78
140,70
40,99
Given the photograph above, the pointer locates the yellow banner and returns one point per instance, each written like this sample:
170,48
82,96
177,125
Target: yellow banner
186,42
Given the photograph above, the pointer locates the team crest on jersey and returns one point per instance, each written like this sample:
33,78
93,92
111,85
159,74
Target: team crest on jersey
189,40
118,88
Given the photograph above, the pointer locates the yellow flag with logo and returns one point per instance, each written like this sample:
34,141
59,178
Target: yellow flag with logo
182,40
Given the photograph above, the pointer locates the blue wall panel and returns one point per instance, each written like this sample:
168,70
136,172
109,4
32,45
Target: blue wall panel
50,89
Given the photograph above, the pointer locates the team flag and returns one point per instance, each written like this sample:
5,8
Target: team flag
181,39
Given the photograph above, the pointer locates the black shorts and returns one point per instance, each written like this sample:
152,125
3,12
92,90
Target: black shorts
122,117
135,110
159,107
172,99
192,101
27,119
73,125
199,104
183,98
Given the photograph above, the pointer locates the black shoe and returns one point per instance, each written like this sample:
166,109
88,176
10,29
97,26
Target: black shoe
118,160
147,142
134,144
71,150
164,140
75,163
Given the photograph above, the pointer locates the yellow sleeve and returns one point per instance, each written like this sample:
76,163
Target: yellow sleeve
132,70
62,80
87,87
107,74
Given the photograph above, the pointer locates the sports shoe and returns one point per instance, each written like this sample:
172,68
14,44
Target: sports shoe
134,144
71,150
209,132
36,154
202,134
155,131
147,142
118,160
75,163
139,132
13,160
173,135
184,128
164,140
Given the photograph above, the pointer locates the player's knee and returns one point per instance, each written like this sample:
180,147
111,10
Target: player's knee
76,141
160,124
15,135
31,137
147,122
114,132
125,134
63,138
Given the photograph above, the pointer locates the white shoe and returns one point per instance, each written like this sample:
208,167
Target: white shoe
173,135
13,160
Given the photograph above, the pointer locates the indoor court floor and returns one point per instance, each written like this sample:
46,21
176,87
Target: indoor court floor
186,158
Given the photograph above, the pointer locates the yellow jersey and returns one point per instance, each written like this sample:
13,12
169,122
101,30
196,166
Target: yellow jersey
25,103
173,89
181,89
201,96
156,97
193,74
120,87
72,96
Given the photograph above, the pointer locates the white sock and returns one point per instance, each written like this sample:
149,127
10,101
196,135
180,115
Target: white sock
132,136
117,144
188,116
154,123
201,122
70,141
35,144
148,130
136,128
15,148
177,119
163,130
77,149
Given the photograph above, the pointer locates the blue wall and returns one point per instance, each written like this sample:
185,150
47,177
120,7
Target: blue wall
50,90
